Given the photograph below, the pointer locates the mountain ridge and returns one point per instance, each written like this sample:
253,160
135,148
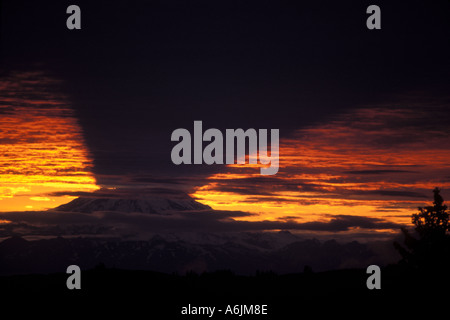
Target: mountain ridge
139,204
162,254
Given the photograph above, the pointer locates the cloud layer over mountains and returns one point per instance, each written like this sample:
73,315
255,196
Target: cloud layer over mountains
140,217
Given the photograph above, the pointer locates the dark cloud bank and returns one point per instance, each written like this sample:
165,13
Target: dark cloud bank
124,224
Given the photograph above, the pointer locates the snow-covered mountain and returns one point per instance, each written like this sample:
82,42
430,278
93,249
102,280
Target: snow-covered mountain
262,241
140,203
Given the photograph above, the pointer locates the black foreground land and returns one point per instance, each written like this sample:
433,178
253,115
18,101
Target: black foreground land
151,295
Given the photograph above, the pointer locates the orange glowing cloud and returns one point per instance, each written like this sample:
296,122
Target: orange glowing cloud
41,145
379,162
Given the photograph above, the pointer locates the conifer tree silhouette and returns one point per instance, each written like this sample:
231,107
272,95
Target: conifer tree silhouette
432,248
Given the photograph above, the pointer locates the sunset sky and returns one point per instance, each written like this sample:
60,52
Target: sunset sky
42,149
379,161
363,115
